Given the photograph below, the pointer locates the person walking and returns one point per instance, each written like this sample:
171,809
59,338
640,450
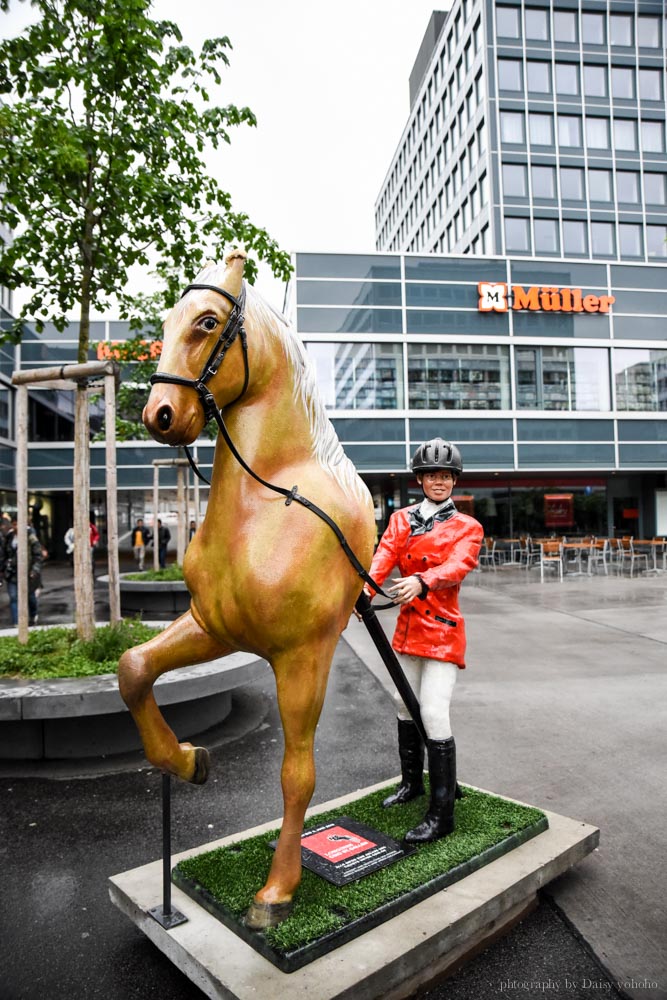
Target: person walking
163,536
69,545
434,547
9,570
141,536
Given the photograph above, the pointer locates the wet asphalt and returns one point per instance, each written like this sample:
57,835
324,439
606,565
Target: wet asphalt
62,834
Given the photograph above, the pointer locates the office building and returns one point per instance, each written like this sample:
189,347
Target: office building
536,128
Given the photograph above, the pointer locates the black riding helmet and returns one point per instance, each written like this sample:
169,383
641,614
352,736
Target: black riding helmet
437,454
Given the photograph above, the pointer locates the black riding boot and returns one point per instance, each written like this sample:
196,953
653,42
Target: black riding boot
439,819
411,752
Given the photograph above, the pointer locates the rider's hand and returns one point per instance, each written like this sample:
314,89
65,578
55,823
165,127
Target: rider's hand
405,589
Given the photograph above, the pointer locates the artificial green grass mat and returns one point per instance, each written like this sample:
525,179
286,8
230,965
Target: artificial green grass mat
233,874
58,652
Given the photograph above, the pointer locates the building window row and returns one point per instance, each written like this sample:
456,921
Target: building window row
626,81
607,239
594,28
477,377
629,187
572,129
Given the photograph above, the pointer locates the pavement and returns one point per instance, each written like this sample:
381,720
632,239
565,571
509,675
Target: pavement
563,705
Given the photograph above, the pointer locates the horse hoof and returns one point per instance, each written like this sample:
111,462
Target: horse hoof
263,915
202,766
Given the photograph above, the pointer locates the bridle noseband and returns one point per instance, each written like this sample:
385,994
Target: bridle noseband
233,328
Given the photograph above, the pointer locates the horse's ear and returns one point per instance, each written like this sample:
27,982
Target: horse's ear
237,253
234,264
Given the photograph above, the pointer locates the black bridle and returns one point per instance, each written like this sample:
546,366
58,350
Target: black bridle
234,328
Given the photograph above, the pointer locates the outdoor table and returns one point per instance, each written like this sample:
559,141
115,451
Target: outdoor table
578,549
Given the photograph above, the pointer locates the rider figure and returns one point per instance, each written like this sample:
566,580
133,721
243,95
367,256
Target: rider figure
434,547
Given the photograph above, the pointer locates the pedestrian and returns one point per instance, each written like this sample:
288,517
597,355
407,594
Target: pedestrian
434,547
163,536
9,570
192,530
141,536
94,541
69,544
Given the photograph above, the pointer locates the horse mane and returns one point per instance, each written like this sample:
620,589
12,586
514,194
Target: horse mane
326,448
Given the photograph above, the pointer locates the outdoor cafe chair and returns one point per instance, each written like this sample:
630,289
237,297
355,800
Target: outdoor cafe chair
487,554
598,555
551,554
629,557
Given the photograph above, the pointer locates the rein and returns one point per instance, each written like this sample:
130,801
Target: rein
234,328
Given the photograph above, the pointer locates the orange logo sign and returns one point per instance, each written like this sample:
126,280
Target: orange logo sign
495,297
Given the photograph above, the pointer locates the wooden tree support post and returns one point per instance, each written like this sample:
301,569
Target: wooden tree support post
165,914
180,464
70,377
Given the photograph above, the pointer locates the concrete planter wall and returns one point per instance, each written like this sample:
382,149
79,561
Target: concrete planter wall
86,717
161,598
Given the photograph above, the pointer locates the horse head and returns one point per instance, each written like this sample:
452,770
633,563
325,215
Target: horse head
196,339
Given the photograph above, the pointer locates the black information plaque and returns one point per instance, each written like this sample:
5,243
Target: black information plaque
343,850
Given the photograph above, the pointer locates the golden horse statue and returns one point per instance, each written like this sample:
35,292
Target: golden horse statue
256,565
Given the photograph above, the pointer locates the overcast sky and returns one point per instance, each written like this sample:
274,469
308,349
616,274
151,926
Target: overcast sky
329,86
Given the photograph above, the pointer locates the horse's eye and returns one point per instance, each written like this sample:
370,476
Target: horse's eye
209,323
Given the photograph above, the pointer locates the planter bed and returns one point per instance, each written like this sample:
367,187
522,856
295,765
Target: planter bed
68,718
167,598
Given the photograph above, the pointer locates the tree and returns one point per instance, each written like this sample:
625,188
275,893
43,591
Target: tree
102,141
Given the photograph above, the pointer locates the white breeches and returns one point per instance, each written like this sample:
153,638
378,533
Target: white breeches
433,684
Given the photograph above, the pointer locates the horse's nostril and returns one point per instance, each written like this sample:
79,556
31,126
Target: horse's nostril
164,417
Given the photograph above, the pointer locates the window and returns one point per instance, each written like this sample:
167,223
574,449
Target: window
653,137
574,237
592,29
458,376
567,78
515,180
569,130
650,84
507,22
359,376
639,376
512,126
572,184
597,133
627,186
562,378
565,26
620,29
602,238
655,189
538,77
656,241
537,24
544,182
649,32
517,237
625,133
599,185
546,236
630,239
595,81
622,83
541,129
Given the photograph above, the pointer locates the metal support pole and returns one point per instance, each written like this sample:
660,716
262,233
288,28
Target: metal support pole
181,527
156,540
165,915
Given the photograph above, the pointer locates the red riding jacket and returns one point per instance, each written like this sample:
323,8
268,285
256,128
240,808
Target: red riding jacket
432,627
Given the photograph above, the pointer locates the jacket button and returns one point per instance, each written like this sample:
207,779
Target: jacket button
409,556
423,558
428,612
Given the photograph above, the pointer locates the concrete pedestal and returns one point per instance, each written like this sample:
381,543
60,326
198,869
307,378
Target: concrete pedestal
387,963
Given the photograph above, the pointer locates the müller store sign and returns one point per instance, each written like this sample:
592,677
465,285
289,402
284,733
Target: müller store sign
500,297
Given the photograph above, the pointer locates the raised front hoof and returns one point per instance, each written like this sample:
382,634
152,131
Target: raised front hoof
263,915
430,829
202,766
404,793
